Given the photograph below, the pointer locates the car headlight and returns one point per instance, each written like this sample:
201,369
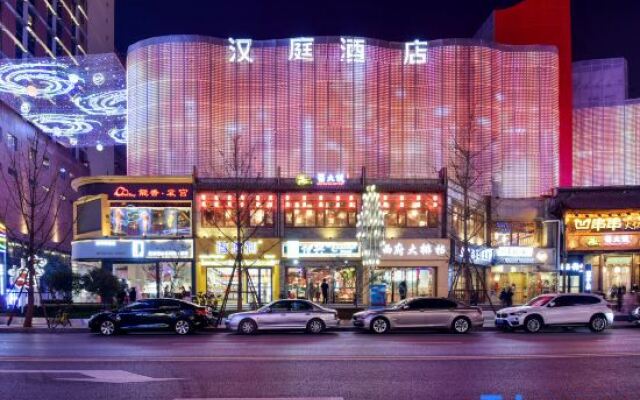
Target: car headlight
518,313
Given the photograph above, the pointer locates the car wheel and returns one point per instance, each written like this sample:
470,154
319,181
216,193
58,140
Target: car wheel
533,324
182,327
107,328
598,323
380,325
315,326
247,327
461,325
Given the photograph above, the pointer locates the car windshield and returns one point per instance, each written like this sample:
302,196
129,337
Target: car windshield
539,301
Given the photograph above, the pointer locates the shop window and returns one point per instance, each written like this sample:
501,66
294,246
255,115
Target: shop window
151,221
411,210
514,234
320,210
223,210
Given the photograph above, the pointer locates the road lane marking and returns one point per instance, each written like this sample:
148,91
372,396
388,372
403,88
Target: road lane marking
94,375
260,398
311,357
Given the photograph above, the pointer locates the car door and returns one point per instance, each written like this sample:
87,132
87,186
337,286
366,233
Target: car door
134,315
166,313
300,313
276,317
410,315
559,310
440,312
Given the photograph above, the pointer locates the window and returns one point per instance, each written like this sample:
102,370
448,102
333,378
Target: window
301,306
586,300
220,210
441,304
566,301
320,210
151,221
281,306
411,209
138,305
12,142
420,304
507,233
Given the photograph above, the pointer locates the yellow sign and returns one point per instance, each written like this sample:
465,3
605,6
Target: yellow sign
623,221
304,180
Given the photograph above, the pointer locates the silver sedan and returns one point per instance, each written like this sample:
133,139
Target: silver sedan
284,314
421,312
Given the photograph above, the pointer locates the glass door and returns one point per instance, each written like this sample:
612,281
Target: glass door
142,277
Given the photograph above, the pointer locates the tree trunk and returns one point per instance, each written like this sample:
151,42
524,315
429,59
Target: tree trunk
28,317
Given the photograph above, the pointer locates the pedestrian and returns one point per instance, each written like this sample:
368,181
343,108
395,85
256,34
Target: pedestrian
122,294
402,290
311,290
503,297
619,297
509,296
325,291
133,295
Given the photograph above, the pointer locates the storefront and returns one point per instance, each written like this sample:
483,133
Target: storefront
528,271
140,229
154,267
413,267
260,265
606,243
309,264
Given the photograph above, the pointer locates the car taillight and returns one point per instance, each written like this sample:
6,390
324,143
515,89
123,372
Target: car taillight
201,312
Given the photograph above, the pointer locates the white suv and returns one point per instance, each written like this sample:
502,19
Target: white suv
571,309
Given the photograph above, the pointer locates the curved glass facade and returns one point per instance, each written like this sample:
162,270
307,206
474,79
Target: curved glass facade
190,96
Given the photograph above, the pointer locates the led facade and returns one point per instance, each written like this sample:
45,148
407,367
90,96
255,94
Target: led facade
311,105
606,149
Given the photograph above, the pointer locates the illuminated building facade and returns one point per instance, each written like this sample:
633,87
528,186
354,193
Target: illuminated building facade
338,105
44,28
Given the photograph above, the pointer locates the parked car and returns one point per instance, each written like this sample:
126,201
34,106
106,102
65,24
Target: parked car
634,317
284,314
153,314
566,310
421,312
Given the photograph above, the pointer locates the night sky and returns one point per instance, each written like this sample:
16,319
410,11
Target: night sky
601,28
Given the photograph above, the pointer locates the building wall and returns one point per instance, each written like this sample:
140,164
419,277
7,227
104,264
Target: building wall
397,120
59,156
100,26
606,145
545,22
30,28
599,82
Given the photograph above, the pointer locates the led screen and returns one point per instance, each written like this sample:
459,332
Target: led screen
151,221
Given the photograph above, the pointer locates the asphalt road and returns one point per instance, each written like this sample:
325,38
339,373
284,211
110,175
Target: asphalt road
350,365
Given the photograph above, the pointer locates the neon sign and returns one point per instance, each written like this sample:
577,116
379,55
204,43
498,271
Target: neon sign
415,52
124,192
323,179
596,223
419,249
303,180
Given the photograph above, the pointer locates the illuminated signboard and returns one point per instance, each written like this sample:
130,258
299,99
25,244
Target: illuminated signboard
151,192
523,255
418,249
128,249
303,180
623,221
625,241
303,249
479,255
323,179
250,247
3,258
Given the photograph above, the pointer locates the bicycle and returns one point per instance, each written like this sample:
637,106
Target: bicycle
61,319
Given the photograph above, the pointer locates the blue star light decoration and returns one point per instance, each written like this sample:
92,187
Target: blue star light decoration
80,101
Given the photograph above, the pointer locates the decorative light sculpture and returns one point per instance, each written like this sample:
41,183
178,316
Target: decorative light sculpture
370,228
119,135
39,80
103,103
63,124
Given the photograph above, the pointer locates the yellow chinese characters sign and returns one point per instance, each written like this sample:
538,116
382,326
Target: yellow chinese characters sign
598,230
622,221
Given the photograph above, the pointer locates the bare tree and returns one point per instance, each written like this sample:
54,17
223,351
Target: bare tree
467,182
35,201
246,214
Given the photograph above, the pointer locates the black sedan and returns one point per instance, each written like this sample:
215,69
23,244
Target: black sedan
153,314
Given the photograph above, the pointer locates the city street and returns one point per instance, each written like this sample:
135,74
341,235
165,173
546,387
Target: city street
348,365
